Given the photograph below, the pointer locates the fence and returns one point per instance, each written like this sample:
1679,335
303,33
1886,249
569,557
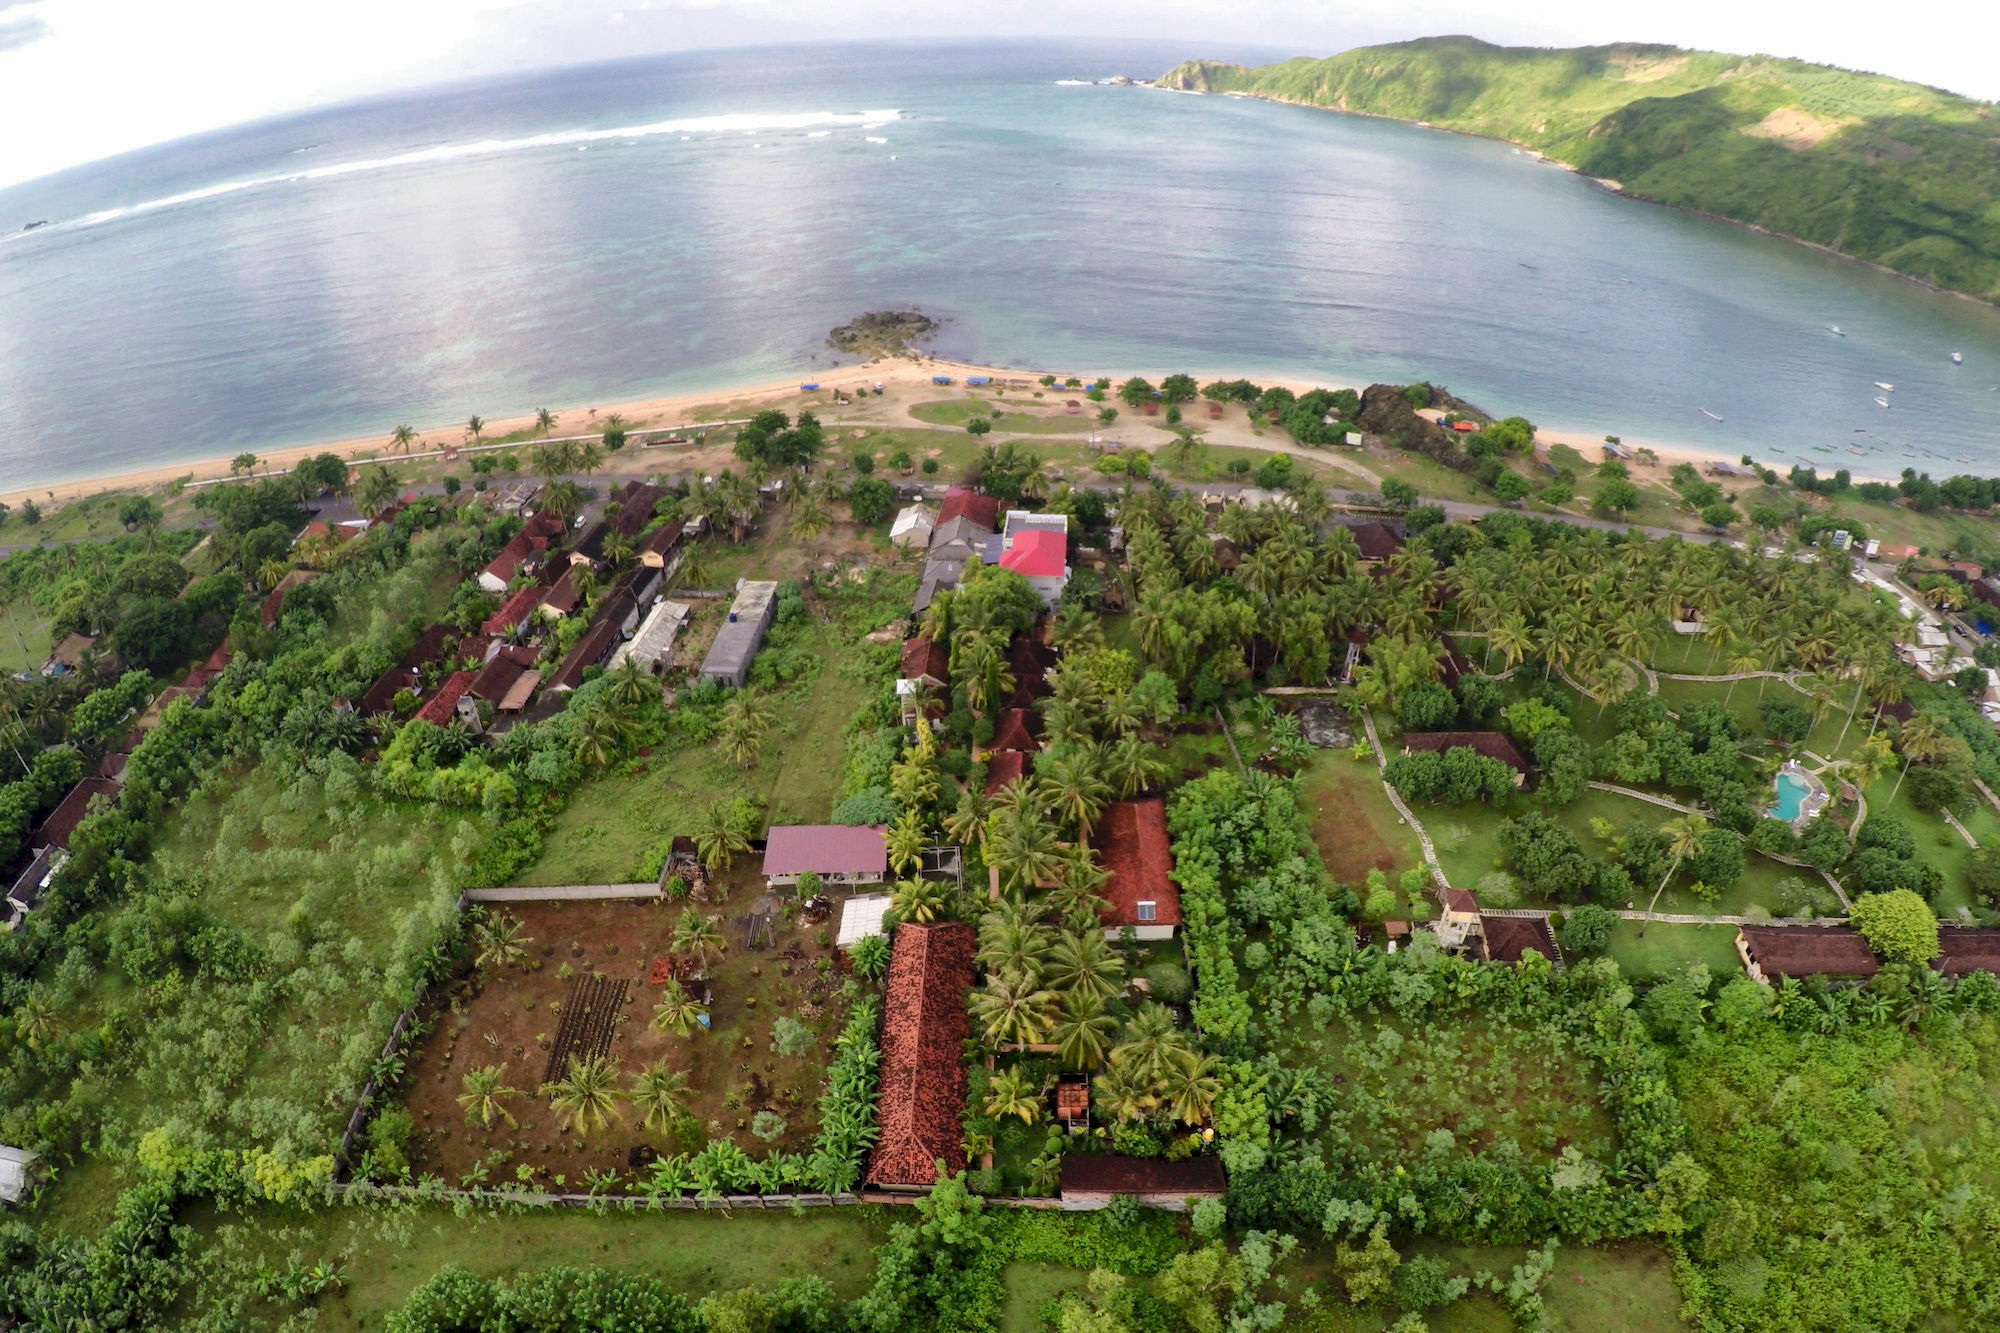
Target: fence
530,893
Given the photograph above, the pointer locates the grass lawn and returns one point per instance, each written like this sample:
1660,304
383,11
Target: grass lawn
1352,821
1665,949
24,635
385,1253
1030,1286
958,411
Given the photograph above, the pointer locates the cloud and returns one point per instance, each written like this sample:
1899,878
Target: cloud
22,31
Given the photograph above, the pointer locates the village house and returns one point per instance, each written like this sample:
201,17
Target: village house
652,645
965,523
407,674
592,650
57,829
16,1173
737,642
1458,921
1005,766
1093,1180
274,602
1139,893
449,701
1835,953
925,666
26,893
923,1079
1507,939
513,614
631,507
1375,540
508,680
1491,744
69,655
521,551
840,854
1035,546
1963,950
913,527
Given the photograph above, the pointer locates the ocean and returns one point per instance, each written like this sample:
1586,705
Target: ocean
688,222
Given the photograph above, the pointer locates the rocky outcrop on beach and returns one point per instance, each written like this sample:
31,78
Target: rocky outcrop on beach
1386,412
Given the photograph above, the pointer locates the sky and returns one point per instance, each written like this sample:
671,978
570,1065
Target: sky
86,79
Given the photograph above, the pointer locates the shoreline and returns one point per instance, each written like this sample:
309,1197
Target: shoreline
680,410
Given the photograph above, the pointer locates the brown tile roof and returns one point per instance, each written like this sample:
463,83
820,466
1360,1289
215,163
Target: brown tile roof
635,507
1028,657
924,1027
1015,730
1809,951
1131,842
438,709
1072,1099
1004,767
826,849
62,821
1377,541
274,605
1461,900
1962,950
1105,1173
1508,937
925,658
513,612
1492,744
429,647
591,650
961,502
562,598
659,542
498,675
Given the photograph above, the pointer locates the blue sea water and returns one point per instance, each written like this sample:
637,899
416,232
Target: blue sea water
682,223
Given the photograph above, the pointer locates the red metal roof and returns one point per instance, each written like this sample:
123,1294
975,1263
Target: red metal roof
924,1027
826,849
437,709
1037,554
1131,842
960,502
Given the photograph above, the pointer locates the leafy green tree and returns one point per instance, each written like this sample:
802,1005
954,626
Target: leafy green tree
1615,497
1511,487
1898,925
1587,929
1136,392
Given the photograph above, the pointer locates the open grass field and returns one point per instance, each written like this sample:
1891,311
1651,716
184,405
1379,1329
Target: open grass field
24,635
385,1254
1356,828
1666,949
1007,419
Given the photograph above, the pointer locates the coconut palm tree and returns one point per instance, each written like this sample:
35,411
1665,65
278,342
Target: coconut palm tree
741,734
402,438
1683,835
631,686
562,499
1190,1087
1122,1094
588,1094
660,1093
1013,1008
1082,1032
1010,941
1022,842
1148,1042
545,420
497,941
618,550
906,840
913,782
1132,766
677,1011
1073,785
598,739
1081,964
35,1019
719,835
1512,639
475,426
1921,738
485,1094
966,824
1010,1093
696,934
916,900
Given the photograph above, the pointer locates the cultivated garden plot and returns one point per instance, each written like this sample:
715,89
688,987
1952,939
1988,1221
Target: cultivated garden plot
589,983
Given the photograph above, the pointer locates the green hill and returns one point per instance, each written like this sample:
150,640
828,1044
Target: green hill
1895,173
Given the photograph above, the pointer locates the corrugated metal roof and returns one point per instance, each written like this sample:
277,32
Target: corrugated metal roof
826,849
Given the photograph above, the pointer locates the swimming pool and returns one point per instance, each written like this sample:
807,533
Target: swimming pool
1792,792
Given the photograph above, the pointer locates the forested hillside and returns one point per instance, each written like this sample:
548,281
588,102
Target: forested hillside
1891,172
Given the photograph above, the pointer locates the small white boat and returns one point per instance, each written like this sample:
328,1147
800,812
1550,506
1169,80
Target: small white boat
1881,402
1958,358
1834,329
1710,415
1852,450
1885,388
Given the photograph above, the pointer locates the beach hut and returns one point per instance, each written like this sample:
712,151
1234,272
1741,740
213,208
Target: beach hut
809,388
940,379
1071,406
978,379
1215,411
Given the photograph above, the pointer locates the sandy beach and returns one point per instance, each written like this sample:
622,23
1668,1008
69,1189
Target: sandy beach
905,382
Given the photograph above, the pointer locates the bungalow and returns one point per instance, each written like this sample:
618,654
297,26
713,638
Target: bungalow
913,526
923,1081
62,821
1092,1180
1490,744
1139,893
69,655
925,669
1771,953
1029,660
1375,540
837,853
1506,939
218,661
513,614
1015,729
591,650
445,703
656,546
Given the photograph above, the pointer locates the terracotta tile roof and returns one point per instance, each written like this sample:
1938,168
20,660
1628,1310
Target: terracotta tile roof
826,849
562,598
428,648
960,502
514,554
1005,767
1131,842
925,658
1377,541
591,650
1037,554
661,540
1962,950
635,506
1015,729
497,677
1492,744
1809,951
62,821
1028,656
437,709
1461,900
1508,937
1072,1099
513,612
924,1027
1106,1173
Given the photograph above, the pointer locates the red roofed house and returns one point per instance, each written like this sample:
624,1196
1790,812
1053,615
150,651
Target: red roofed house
924,1027
1092,1180
513,613
1036,546
1004,767
1131,841
442,706
529,542
62,821
1015,730
926,660
960,502
274,605
837,853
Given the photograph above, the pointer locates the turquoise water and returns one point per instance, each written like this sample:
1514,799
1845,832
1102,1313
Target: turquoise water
1792,792
676,224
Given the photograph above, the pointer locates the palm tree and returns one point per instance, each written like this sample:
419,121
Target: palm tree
744,719
1010,942
485,1094
1190,1086
1013,1009
1082,1032
906,841
475,426
696,934
402,438
966,824
661,1093
913,782
618,550
677,1011
588,1094
719,836
1132,766
1122,1094
1149,1042
1742,664
631,686
1513,639
35,1019
562,499
1010,1093
1073,785
1683,835
1023,843
497,942
545,420
916,900
1921,738
1082,964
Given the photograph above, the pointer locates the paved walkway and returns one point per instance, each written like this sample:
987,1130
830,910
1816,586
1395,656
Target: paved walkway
1416,826
1673,918
1651,799
1963,832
